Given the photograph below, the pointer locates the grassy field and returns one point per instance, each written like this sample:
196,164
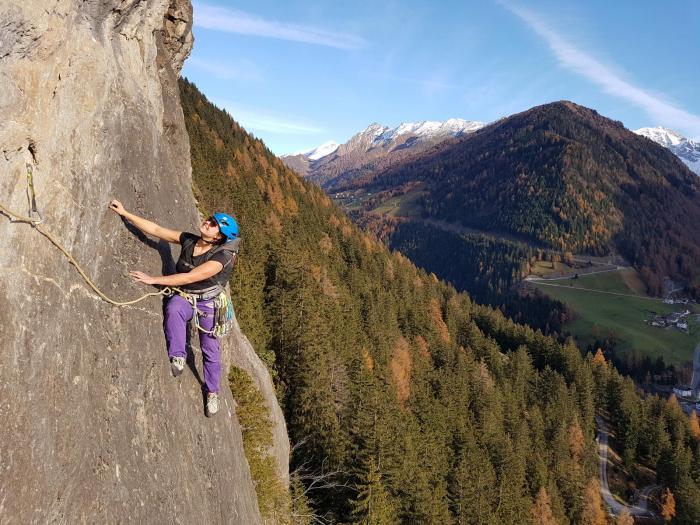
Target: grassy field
547,268
405,205
624,281
602,313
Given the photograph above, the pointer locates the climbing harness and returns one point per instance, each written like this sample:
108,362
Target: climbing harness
37,226
223,309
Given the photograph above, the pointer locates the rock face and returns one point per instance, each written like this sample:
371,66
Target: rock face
94,428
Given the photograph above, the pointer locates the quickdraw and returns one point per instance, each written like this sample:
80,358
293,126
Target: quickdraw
31,195
223,312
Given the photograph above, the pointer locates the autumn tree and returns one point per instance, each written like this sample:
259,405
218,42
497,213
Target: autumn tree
599,358
694,425
668,505
593,512
624,518
542,510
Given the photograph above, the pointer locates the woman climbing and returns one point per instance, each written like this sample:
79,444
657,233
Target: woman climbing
203,269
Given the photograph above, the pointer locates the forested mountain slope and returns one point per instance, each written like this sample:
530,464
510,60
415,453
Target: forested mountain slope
420,405
564,176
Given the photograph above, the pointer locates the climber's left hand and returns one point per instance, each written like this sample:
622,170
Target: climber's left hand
141,277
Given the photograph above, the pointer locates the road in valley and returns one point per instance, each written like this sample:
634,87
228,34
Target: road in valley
615,507
540,282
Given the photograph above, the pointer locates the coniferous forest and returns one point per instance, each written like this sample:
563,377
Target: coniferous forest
410,402
486,267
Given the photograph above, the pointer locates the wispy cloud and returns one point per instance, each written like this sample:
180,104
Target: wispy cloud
236,21
244,71
431,84
579,61
268,121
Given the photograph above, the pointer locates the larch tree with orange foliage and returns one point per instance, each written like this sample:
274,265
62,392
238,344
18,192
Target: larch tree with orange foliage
542,509
624,518
694,425
599,357
668,505
593,512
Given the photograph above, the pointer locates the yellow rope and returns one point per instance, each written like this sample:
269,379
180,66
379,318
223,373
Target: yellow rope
35,224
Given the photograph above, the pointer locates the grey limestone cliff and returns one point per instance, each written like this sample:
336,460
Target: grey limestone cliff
93,428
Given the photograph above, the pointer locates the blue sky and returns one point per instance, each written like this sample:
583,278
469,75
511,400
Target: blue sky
298,74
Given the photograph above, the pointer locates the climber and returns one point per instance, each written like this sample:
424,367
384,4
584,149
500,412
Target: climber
205,264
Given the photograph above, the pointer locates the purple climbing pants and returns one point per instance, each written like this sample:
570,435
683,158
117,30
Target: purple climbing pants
178,313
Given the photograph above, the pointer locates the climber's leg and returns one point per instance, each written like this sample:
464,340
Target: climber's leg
211,351
178,312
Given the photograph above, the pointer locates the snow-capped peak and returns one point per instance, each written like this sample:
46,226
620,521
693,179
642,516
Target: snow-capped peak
431,128
319,152
324,149
373,131
686,150
378,135
660,135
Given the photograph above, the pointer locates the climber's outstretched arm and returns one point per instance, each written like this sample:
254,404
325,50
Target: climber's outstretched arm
146,226
201,272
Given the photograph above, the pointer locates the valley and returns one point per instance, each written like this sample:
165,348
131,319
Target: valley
607,305
572,236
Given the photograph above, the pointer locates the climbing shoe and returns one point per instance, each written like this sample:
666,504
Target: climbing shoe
212,403
177,365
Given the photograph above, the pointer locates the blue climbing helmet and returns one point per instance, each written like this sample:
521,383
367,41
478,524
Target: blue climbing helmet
227,225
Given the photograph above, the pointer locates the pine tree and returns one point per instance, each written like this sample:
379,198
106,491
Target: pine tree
472,495
373,505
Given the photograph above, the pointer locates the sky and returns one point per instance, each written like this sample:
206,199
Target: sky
300,73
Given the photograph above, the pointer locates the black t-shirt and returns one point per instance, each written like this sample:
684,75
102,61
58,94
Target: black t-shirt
188,261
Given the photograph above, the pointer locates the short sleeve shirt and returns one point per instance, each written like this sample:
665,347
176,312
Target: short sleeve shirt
188,261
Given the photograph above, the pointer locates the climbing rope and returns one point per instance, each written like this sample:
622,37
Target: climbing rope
166,291
37,226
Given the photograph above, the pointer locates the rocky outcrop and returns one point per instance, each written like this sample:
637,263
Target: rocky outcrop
94,428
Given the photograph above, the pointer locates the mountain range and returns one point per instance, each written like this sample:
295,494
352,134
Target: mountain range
558,176
376,142
374,147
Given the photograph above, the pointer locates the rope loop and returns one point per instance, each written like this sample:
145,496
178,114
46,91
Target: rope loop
36,224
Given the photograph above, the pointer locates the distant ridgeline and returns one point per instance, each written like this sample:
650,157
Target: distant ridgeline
415,403
566,178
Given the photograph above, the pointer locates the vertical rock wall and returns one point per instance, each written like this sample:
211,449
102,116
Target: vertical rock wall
93,427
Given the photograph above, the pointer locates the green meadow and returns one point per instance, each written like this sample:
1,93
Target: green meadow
599,313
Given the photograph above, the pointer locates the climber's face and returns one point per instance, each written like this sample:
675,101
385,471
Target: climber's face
209,228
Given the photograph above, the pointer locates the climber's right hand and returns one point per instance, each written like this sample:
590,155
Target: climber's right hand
117,207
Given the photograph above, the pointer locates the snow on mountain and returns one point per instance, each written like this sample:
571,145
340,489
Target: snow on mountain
687,150
316,153
372,145
379,136
323,150
428,129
